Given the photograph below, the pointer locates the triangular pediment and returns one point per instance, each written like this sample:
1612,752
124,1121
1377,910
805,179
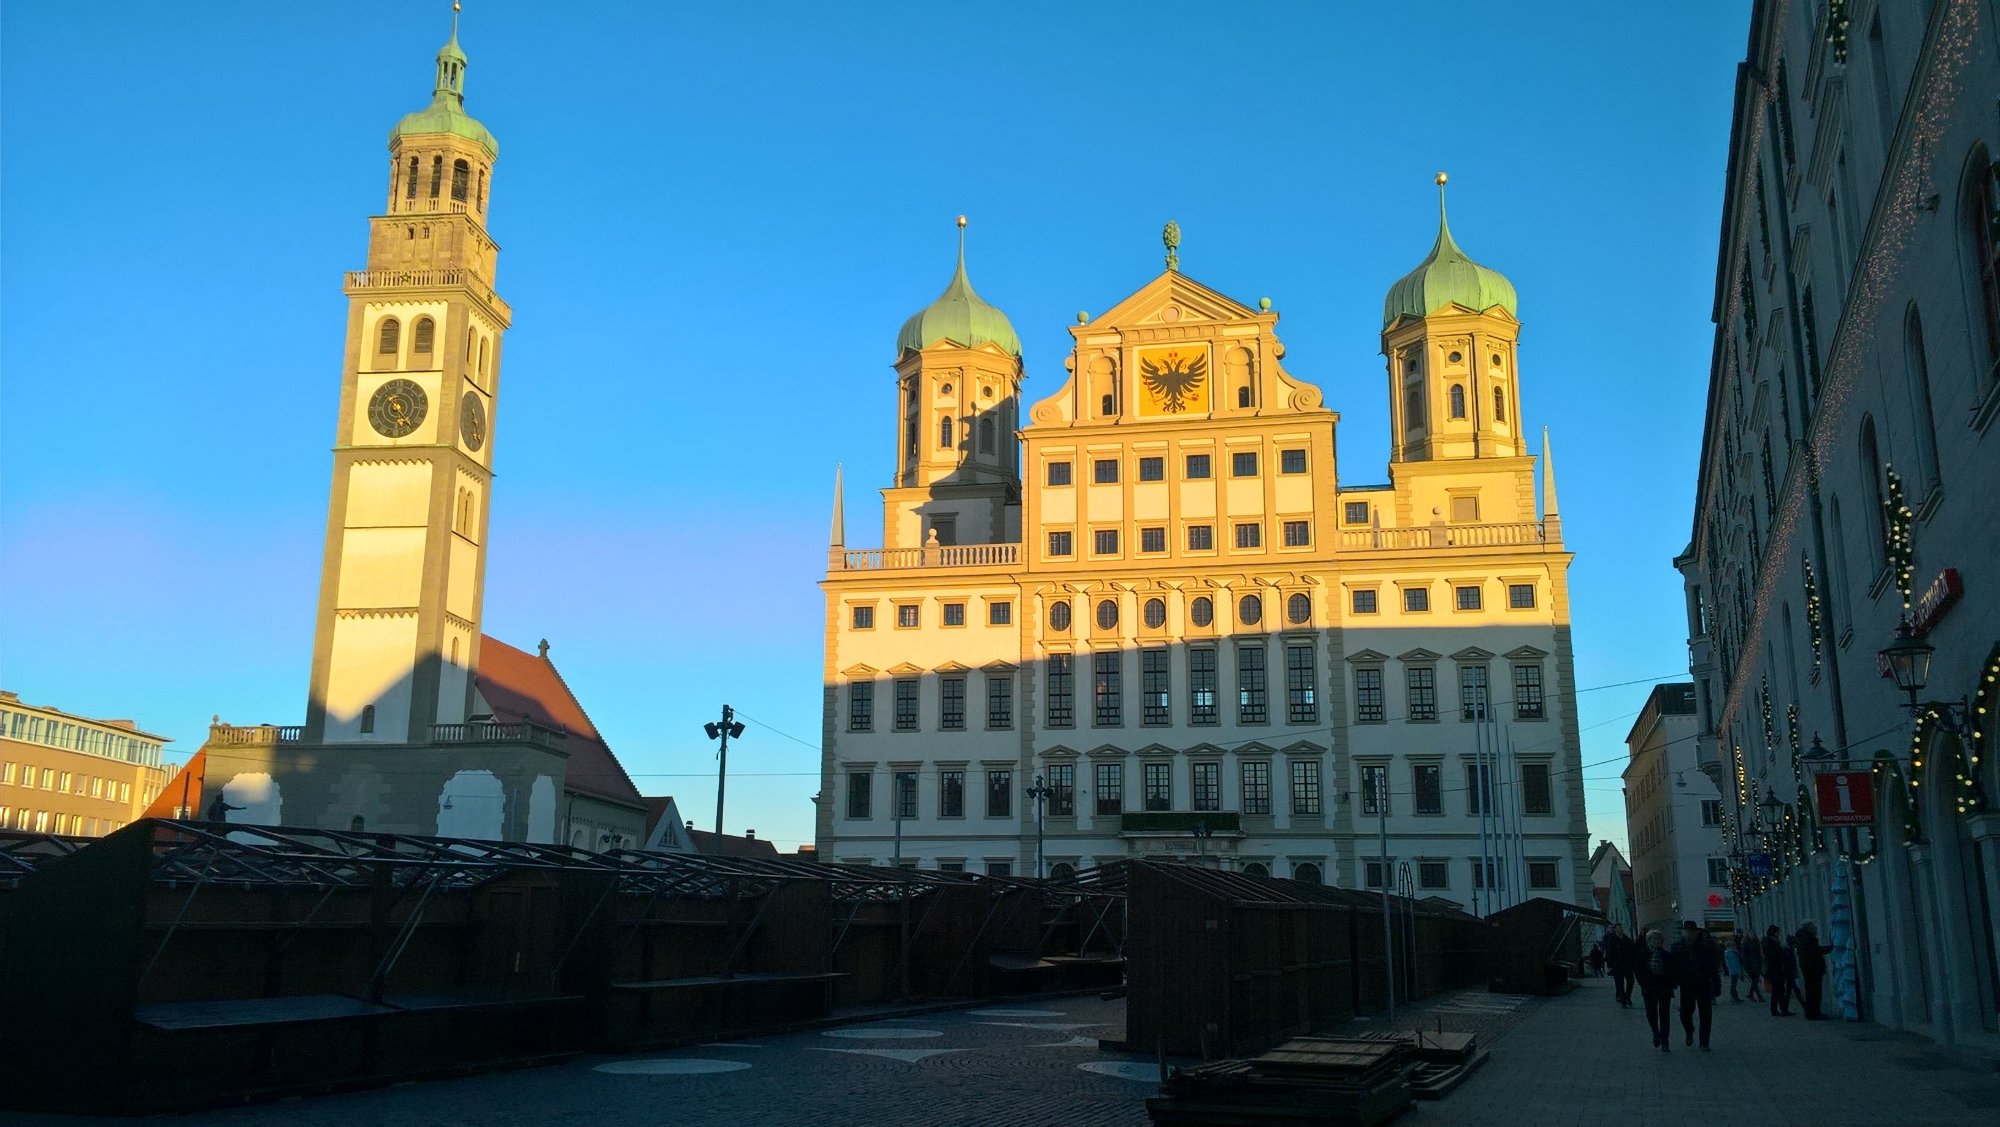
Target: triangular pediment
1000,667
1256,747
1367,657
859,671
953,667
1106,751
1472,653
1156,750
905,669
1526,653
1305,747
1418,656
1208,749
1173,298
1059,752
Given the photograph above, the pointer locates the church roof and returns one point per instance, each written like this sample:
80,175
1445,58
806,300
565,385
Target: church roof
520,686
1447,277
446,113
959,316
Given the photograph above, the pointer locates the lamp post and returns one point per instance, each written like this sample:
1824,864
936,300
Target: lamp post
1909,662
1202,832
729,727
1040,793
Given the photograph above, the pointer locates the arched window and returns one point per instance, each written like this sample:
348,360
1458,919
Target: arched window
367,719
1299,609
1108,405
1107,614
482,189
1457,401
461,180
410,181
1243,397
390,336
1413,407
1791,649
986,434
1837,558
910,436
482,356
1250,610
1878,524
453,655
1062,870
424,335
1976,226
1499,405
357,824
1918,369
437,176
944,433
1256,869
1305,872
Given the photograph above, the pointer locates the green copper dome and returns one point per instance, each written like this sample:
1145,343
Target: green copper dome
446,113
960,317
1447,277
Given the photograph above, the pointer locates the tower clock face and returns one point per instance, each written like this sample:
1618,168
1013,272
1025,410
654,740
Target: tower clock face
472,420
397,408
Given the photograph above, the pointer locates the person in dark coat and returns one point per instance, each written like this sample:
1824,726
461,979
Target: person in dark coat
1658,974
1700,964
1752,954
1778,971
1619,953
1811,955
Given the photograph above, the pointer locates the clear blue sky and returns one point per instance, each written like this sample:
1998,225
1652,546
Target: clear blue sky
714,219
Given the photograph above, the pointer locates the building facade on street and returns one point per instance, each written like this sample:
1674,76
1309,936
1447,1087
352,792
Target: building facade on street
1846,489
1673,818
416,721
1148,619
1611,882
61,773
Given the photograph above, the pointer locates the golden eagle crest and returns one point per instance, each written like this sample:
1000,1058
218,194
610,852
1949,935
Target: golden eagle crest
1174,380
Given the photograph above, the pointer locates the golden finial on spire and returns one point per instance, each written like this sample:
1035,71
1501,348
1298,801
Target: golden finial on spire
1441,179
961,222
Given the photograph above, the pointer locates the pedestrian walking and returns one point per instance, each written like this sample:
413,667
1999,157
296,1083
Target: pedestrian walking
1619,954
1811,954
1732,965
1752,955
1658,975
1778,971
1700,965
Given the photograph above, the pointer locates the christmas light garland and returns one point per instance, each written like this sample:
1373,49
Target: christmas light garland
1902,546
1815,622
1836,29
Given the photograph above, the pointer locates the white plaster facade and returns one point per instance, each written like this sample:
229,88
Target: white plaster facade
1673,819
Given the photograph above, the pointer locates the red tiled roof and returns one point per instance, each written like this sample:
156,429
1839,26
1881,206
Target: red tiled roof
729,845
184,792
521,686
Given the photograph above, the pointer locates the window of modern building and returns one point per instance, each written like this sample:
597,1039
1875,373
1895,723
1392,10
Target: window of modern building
1159,786
1110,788
1104,471
1201,611
1528,692
1536,795
1201,538
1250,610
1252,706
1363,602
1060,544
1107,614
1155,613
1427,788
1472,692
1291,461
1521,596
1152,469
1000,612
1256,786
1249,534
908,615
951,702
1416,599
1469,598
954,614
1243,463
1298,533
1154,681
861,706
1305,786
1420,681
1062,689
951,793
1368,707
1057,473
906,794
1198,467
1059,616
1107,691
1375,789
1104,542
999,796
1305,872
1061,798
1301,693
906,704
999,701
1202,709
858,793
1542,874
1433,874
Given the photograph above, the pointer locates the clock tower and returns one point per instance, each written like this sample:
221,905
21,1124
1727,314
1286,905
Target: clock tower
397,640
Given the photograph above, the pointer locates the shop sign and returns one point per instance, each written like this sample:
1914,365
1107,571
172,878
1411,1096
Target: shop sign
1938,598
1760,864
1845,798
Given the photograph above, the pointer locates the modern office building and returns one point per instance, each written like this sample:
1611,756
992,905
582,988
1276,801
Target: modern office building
61,773
1673,818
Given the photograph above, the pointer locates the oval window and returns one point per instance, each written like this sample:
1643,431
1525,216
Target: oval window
1059,616
1250,609
1456,357
1156,613
1107,614
944,390
1299,608
1201,611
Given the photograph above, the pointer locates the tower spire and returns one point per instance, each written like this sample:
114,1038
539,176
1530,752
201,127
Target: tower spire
838,537
1548,479
451,65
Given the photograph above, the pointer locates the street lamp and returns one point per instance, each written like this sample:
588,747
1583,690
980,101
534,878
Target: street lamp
1202,832
728,728
1908,659
1040,793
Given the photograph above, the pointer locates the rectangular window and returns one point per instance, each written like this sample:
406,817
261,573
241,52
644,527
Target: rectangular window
1104,471
1110,788
1159,786
1251,706
1201,538
1364,602
1301,696
1256,787
1291,461
858,793
1000,794
1421,681
1061,798
1152,539
864,618
1490,878
954,614
1536,796
1372,874
1249,535
1060,544
1472,692
1433,874
1357,512
1154,691
1718,871
1152,469
1207,786
906,794
1000,613
1368,696
1197,467
1427,781
906,704
861,706
1375,788
1305,786
1521,596
999,868
1107,691
1475,792
951,703
1106,541
1416,599
1202,707
999,701
951,793
1058,473
1298,533
1527,692
909,615
1464,510
1243,463
1543,874
1711,812
1468,597
1062,690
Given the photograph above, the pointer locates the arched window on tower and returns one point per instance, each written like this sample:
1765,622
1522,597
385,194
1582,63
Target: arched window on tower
1108,405
437,175
461,180
1243,397
1413,407
944,433
910,436
482,189
986,434
410,181
1982,256
367,719
1499,405
423,337
1923,421
389,338
1457,395
482,357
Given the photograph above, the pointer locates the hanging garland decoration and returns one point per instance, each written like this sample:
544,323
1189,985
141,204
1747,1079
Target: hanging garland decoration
1902,548
1888,771
1770,729
1983,699
1836,29
1810,839
1815,622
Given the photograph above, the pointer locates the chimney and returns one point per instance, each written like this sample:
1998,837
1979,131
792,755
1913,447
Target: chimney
749,835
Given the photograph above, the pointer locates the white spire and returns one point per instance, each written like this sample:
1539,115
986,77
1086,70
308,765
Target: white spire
839,535
1548,478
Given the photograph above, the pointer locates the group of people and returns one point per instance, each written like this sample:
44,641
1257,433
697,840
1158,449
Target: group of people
1694,966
